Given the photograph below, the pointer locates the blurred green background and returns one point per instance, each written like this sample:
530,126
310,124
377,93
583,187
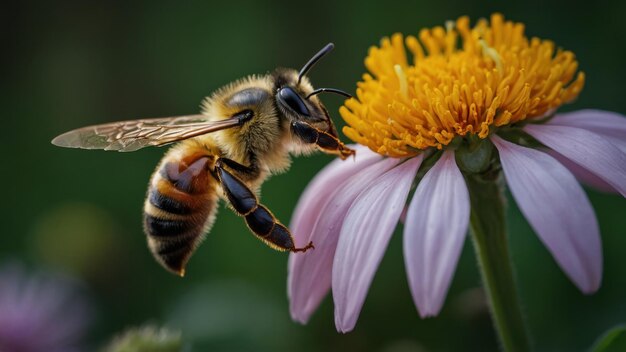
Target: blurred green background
71,63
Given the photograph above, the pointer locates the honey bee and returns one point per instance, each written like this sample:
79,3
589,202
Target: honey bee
246,132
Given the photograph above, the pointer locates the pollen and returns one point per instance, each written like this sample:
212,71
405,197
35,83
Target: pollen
457,81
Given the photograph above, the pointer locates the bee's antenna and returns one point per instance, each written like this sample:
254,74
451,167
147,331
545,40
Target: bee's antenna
325,50
329,90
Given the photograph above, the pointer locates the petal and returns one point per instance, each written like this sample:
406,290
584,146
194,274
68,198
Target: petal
605,123
582,174
315,197
434,233
557,209
619,143
587,149
310,273
364,237
610,125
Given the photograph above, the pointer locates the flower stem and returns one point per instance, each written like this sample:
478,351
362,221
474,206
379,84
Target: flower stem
488,230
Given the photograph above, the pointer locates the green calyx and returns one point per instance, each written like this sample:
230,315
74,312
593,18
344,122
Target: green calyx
474,155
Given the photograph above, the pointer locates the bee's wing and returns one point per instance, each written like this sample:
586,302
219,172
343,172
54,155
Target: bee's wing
128,136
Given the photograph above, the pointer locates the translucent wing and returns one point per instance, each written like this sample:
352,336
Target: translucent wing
128,136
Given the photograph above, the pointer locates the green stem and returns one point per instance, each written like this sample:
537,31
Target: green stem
488,230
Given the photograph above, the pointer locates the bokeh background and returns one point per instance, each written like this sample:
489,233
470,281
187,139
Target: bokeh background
67,64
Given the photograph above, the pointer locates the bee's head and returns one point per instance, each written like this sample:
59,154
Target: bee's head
296,99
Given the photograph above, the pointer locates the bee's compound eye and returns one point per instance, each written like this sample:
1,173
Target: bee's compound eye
293,100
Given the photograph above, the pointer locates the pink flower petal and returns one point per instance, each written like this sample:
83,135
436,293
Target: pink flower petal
605,123
364,237
434,233
557,209
587,149
310,273
610,125
582,174
317,194
619,143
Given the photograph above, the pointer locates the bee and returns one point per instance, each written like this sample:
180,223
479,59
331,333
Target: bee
246,132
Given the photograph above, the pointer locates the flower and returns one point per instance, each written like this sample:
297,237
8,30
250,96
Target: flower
40,313
456,110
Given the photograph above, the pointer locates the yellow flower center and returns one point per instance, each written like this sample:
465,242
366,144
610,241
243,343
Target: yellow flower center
494,77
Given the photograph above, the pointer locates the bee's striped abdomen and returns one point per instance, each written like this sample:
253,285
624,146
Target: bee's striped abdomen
180,208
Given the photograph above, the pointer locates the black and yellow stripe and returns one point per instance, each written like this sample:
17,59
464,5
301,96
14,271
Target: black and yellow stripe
179,209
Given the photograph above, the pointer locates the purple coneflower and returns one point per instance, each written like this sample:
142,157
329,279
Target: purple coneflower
447,124
39,313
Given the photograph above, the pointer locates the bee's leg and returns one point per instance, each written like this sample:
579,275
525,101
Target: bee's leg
259,219
243,171
324,140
